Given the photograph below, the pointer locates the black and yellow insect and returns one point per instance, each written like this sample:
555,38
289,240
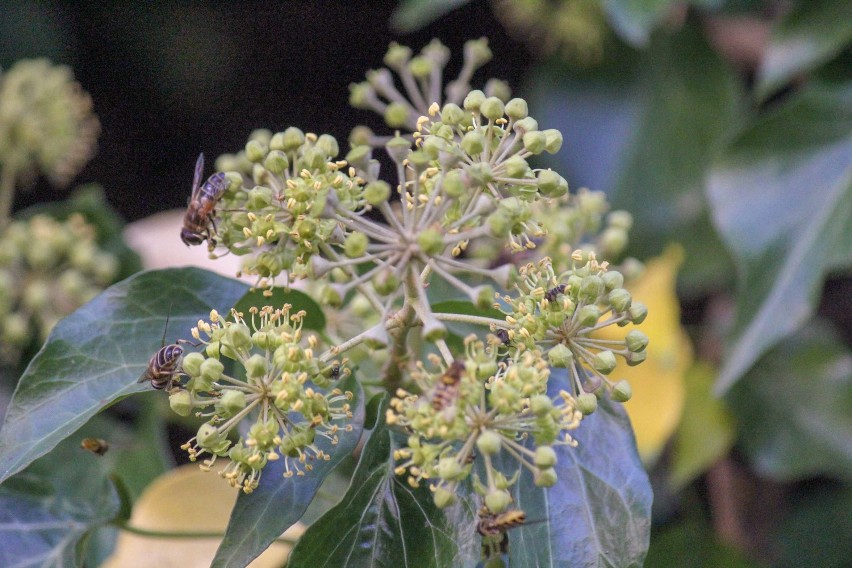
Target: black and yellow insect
97,446
447,386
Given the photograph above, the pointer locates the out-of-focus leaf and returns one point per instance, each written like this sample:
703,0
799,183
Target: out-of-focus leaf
89,200
94,357
49,510
815,531
813,32
634,20
692,545
314,318
278,502
781,197
412,15
146,456
793,407
658,383
599,511
646,134
185,500
706,431
382,521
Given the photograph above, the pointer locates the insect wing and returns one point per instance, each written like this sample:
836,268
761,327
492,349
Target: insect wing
196,179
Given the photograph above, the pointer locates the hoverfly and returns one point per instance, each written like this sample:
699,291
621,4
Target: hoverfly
162,367
97,446
202,201
494,527
554,292
448,385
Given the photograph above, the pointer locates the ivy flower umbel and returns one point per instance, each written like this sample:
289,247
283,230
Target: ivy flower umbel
475,409
560,315
284,393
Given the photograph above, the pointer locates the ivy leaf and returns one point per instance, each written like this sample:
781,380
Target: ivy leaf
381,521
810,34
781,197
793,407
599,511
49,511
94,356
278,502
635,20
412,15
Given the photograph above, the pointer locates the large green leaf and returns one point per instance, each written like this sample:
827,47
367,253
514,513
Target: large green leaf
314,316
793,407
634,20
813,32
646,134
381,521
599,511
412,15
278,502
94,357
48,511
781,197
692,544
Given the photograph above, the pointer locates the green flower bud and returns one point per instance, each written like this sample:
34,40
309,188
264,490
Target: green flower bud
443,497
541,405
486,369
421,67
419,160
553,140
211,370
276,162
545,457
612,279
355,244
534,142
398,148
604,362
621,391
620,219
191,364
636,340
545,477
587,403
232,402
473,100
210,439
498,500
450,469
255,366
516,167
385,282
498,88
480,173
237,337
360,136
452,114
431,242
180,402
360,95
259,197
500,223
477,52
613,241
293,138
433,330
397,55
550,183
483,297
560,356
489,442
330,296
360,156
16,329
524,125
256,151
517,109
37,295
636,358
213,349
235,180
588,316
591,288
328,144
492,108
473,143
396,115
638,312
433,146
619,299
452,184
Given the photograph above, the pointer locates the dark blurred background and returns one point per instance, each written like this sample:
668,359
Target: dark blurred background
172,79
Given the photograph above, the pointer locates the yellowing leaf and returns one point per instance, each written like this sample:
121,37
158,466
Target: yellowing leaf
657,383
185,500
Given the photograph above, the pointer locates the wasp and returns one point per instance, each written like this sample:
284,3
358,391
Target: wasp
553,292
448,385
95,445
493,528
163,365
202,201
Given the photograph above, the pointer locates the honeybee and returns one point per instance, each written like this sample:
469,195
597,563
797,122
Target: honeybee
95,445
448,385
553,292
202,201
163,365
